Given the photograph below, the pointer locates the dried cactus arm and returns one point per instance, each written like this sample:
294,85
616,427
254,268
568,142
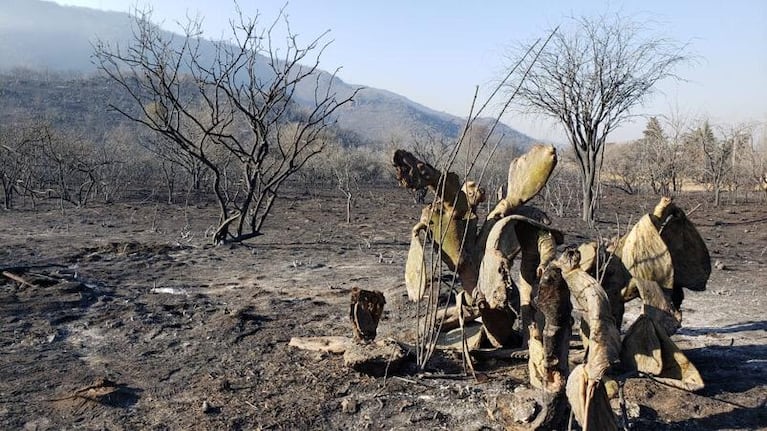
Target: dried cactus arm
475,194
692,262
665,247
657,307
416,174
588,251
589,402
538,247
416,273
547,249
602,264
646,256
528,174
496,296
449,220
494,271
647,348
585,388
454,238
553,310
366,308
604,337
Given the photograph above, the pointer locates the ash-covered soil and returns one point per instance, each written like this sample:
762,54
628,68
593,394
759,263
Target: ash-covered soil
123,317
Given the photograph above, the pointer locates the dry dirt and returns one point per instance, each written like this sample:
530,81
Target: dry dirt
191,336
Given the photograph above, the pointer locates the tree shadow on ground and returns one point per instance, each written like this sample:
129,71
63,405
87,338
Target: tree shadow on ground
729,329
728,369
741,418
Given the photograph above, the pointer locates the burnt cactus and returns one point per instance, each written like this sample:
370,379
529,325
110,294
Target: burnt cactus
482,257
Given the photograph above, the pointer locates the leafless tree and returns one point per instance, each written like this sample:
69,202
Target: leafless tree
757,158
15,148
680,157
717,155
740,136
622,166
70,166
589,78
175,164
237,97
657,159
560,194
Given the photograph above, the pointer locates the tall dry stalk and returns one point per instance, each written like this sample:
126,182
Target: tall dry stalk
430,311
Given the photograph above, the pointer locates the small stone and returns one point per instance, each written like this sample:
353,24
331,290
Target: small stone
206,407
524,411
720,266
632,410
349,406
224,385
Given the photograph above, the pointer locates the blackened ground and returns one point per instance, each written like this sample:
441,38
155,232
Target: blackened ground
197,336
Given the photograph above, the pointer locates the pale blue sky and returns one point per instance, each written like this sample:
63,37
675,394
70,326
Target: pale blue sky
435,53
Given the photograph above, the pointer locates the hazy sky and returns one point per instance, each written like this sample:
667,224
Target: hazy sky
437,52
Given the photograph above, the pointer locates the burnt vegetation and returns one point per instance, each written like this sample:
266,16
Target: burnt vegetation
114,185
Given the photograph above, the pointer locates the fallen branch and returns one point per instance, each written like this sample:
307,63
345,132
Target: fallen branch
17,279
330,344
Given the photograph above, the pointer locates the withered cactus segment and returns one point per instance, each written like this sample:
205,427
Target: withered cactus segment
646,256
528,174
450,220
689,254
550,332
603,336
673,238
365,311
454,234
664,253
416,273
585,386
598,260
496,289
538,247
475,194
450,224
589,402
496,295
647,348
657,306
414,173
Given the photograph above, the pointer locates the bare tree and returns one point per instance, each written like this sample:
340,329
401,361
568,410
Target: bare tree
622,165
678,158
756,158
174,163
740,139
15,143
344,166
71,167
717,154
657,159
588,78
237,97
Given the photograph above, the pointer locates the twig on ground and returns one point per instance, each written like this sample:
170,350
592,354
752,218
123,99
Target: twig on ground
660,382
17,279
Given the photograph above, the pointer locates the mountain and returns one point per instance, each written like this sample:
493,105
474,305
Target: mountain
43,36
